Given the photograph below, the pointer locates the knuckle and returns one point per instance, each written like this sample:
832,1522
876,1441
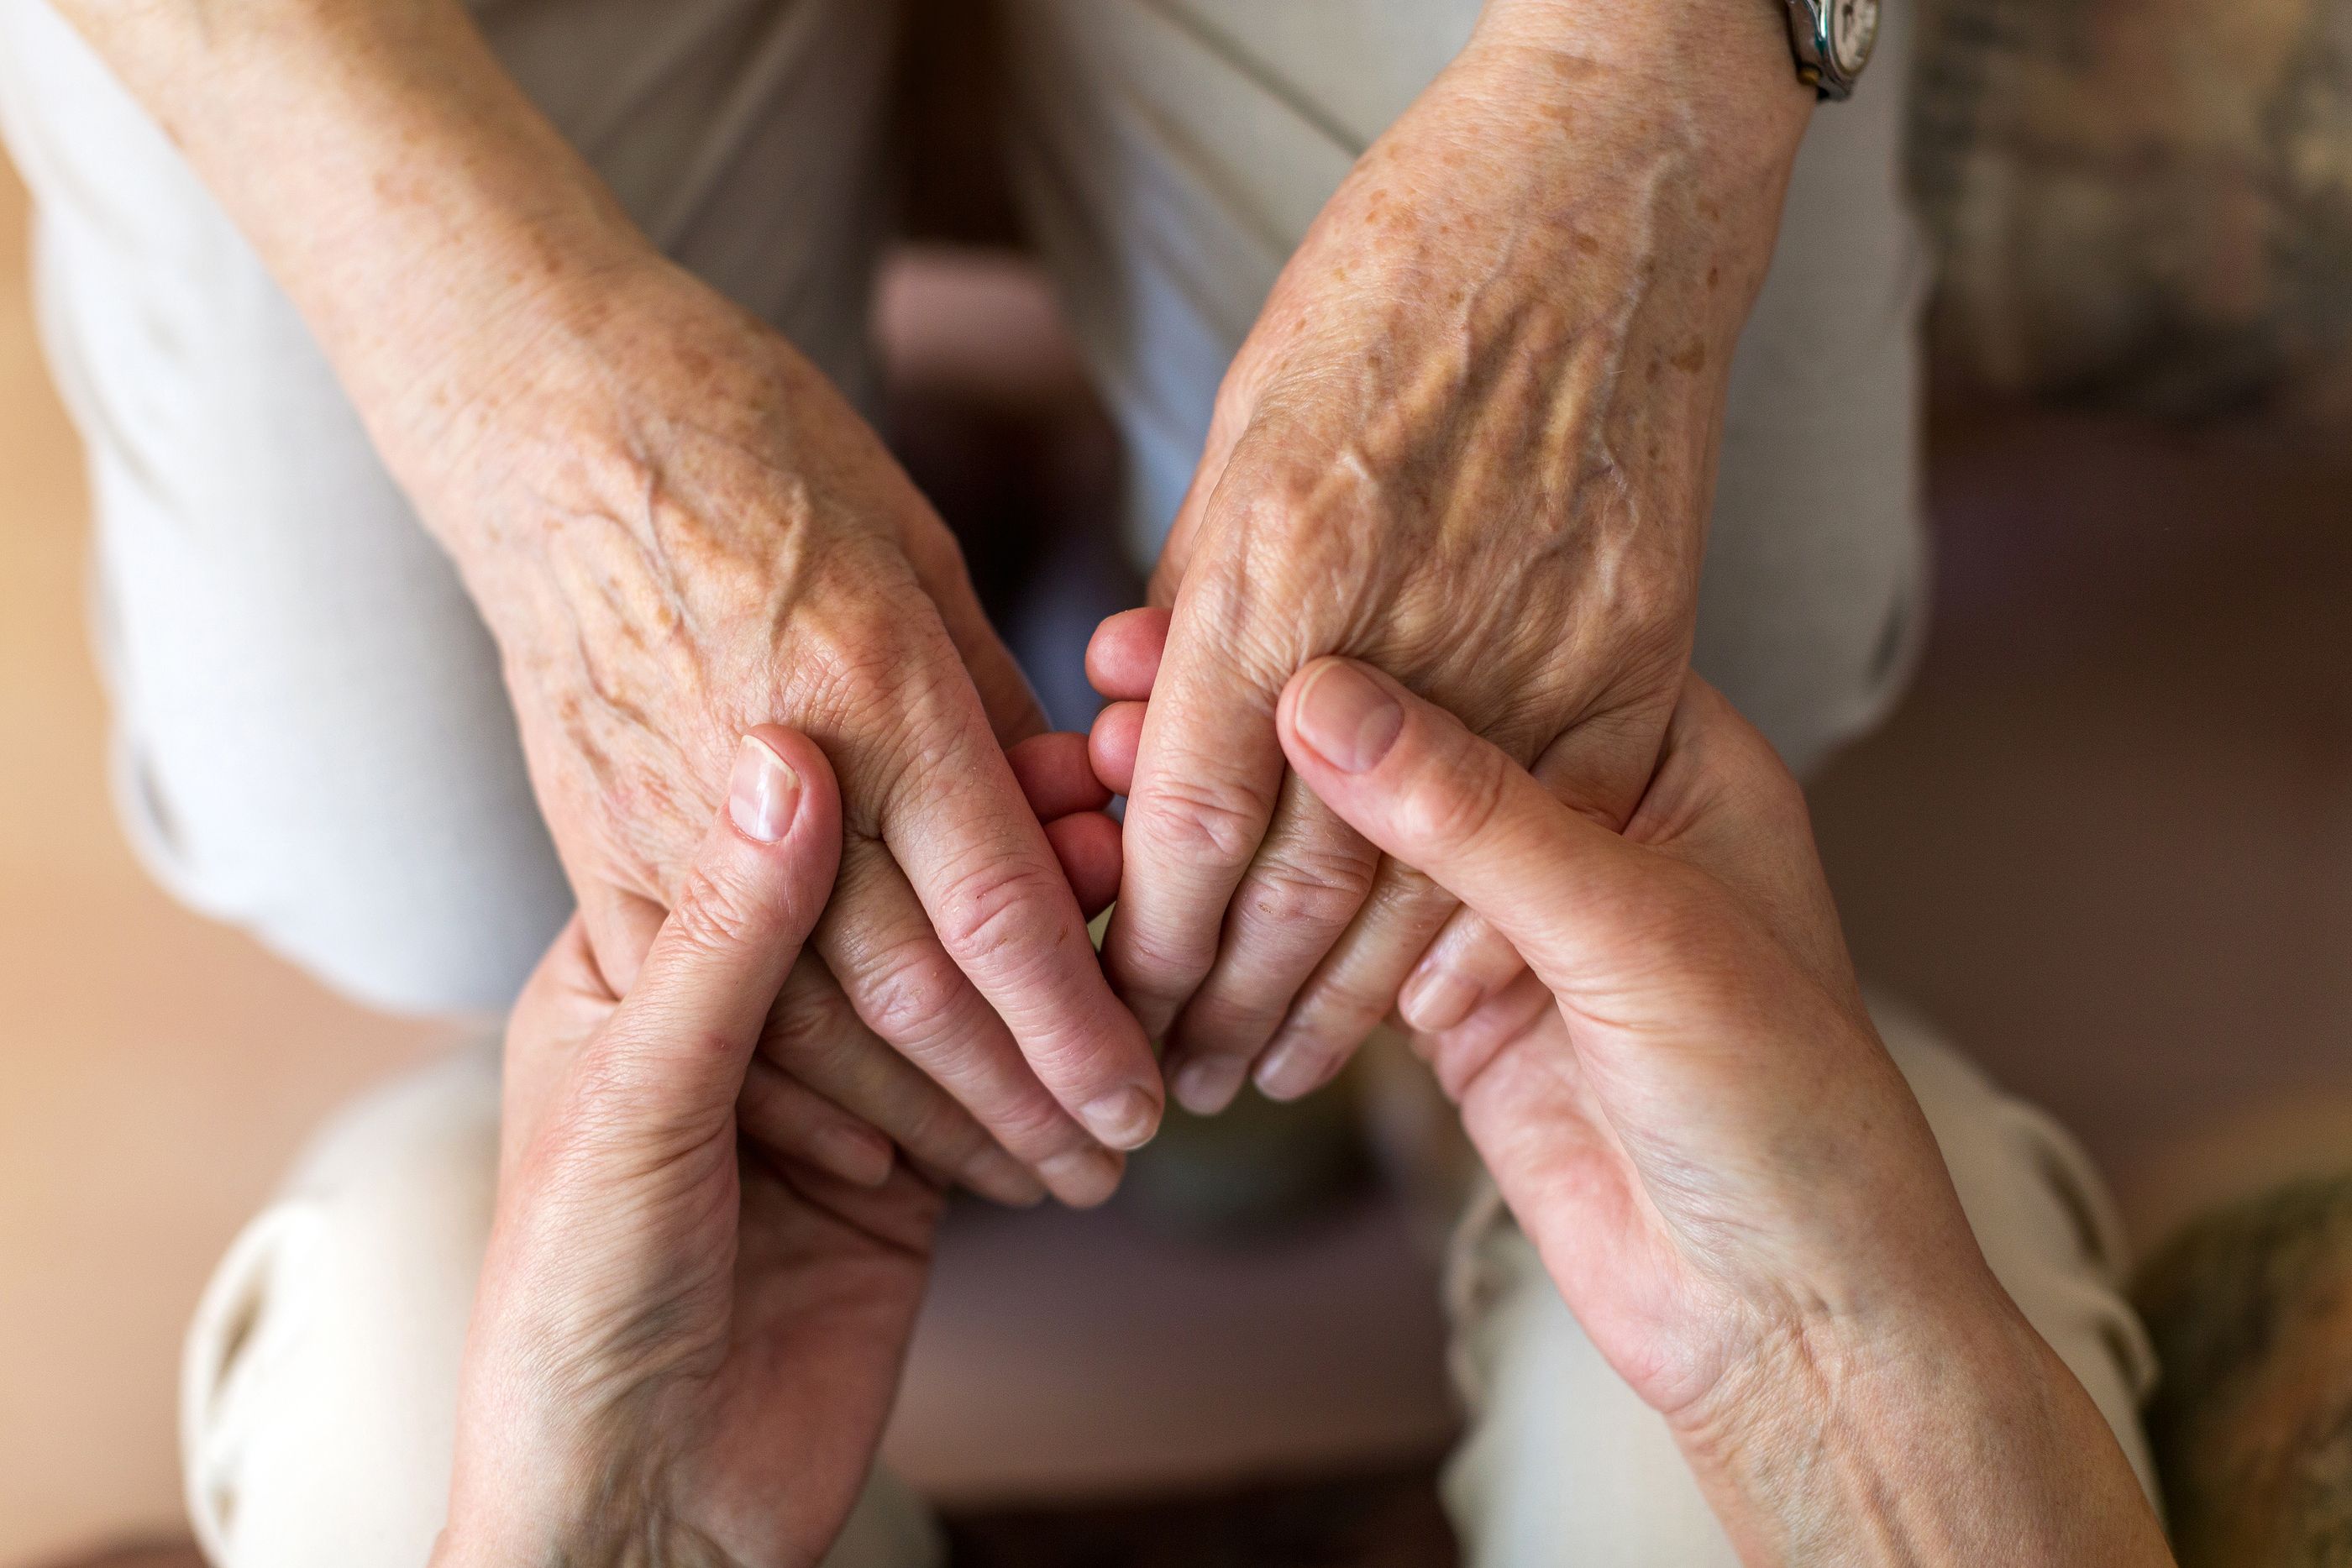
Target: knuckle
1162,967
807,1024
910,995
1000,913
1196,823
1305,889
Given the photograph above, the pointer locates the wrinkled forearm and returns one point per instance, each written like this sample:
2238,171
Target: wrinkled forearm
420,213
1958,1439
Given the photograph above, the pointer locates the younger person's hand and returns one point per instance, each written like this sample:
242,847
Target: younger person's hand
1686,1107
682,1351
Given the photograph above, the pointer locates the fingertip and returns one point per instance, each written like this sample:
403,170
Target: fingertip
1087,845
1123,656
1114,742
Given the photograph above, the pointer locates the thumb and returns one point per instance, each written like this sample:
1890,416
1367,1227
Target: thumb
1413,780
672,1060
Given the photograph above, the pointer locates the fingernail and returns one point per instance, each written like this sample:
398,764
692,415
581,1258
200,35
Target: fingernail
1124,1118
1083,1177
999,1177
863,1158
764,792
1437,1001
1207,1084
1346,717
1291,1070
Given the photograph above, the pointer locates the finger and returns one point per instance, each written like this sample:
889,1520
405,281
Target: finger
1123,656
787,1118
1461,1053
1087,845
1356,986
1055,776
1411,778
815,1037
621,927
1470,961
879,942
1112,744
995,897
672,1061
1301,892
1207,776
560,1008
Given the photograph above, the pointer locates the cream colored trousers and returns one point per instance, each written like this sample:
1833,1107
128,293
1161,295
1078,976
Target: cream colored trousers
311,740
319,1390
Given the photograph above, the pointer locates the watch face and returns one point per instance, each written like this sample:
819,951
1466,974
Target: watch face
1853,33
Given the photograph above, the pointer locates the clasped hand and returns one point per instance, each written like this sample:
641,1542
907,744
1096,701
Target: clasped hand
685,1341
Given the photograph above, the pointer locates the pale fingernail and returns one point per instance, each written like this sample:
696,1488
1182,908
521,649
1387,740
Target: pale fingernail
1346,717
763,793
1291,1070
1124,1118
999,1177
1083,1177
860,1158
1437,1001
1207,1084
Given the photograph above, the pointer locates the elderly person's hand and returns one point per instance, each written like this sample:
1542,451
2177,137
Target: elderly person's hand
682,1351
676,529
1472,439
1686,1107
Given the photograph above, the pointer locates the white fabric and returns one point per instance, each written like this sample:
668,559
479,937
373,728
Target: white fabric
311,737
320,1380
1562,1467
319,1393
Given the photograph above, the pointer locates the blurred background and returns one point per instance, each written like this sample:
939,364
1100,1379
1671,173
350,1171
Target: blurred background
2106,843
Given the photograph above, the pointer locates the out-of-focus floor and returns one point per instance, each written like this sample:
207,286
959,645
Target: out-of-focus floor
2109,843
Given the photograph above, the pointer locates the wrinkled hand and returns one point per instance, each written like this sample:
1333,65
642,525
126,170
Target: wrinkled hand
1472,439
678,530
681,1352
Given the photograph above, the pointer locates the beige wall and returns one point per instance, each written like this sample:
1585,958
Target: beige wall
155,1070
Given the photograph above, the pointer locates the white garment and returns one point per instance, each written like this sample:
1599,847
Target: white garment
311,739
319,1395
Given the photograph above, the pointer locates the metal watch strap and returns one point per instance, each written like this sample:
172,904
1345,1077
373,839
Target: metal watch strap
1809,31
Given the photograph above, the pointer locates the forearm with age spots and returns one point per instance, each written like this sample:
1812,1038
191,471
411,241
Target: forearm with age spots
424,216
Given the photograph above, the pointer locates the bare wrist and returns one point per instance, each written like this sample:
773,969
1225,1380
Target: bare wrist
1932,1434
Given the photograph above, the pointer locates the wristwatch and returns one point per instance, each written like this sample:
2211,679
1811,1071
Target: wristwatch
1833,40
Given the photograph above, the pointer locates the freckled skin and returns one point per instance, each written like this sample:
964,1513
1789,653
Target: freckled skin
676,531
1471,440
